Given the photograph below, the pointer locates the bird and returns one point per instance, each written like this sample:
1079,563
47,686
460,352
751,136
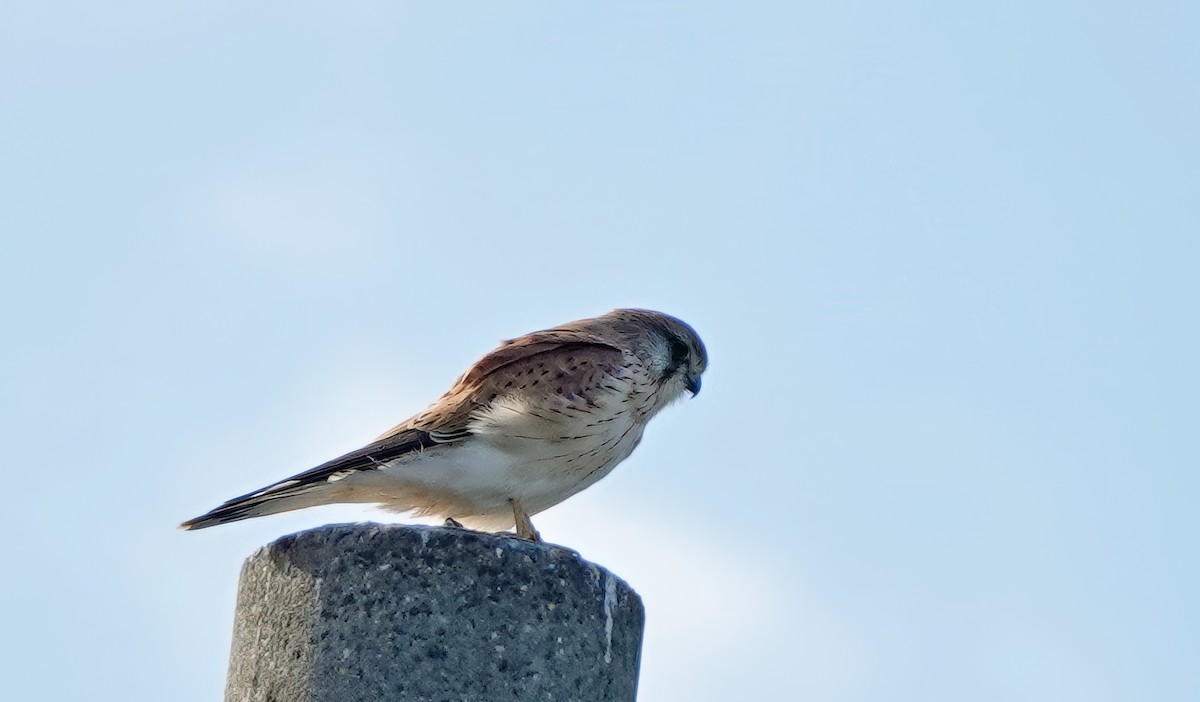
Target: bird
535,421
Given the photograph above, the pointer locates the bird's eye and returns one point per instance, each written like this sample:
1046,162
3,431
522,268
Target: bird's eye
679,353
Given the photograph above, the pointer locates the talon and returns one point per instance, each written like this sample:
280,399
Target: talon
525,528
452,522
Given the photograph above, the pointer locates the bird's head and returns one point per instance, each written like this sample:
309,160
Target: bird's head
673,350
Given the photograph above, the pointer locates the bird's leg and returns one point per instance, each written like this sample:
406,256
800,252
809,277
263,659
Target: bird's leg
452,522
525,528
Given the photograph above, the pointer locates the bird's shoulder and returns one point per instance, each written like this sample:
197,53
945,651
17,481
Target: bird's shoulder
558,362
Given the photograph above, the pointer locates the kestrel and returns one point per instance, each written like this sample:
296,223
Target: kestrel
529,425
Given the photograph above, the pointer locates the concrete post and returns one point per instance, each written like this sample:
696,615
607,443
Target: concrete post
388,612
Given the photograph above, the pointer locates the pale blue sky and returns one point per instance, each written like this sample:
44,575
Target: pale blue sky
944,256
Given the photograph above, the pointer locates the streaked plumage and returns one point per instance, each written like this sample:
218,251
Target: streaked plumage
530,424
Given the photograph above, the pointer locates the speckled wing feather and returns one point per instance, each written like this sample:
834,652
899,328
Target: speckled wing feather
517,366
538,363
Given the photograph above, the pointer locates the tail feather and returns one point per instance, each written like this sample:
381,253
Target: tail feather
318,486
273,500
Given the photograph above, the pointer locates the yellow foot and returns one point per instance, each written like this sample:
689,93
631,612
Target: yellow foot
525,528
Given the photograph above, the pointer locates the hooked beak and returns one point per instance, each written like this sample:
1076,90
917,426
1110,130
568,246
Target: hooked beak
692,383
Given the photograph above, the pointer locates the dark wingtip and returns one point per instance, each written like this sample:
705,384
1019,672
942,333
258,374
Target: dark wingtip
209,519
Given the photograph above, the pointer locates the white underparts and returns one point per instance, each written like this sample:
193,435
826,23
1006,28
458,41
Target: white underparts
514,452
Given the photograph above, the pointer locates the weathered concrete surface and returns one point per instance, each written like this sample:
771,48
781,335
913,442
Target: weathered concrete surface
390,612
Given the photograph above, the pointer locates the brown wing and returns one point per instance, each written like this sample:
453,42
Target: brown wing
494,374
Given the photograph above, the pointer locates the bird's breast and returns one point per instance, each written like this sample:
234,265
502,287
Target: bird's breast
556,449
